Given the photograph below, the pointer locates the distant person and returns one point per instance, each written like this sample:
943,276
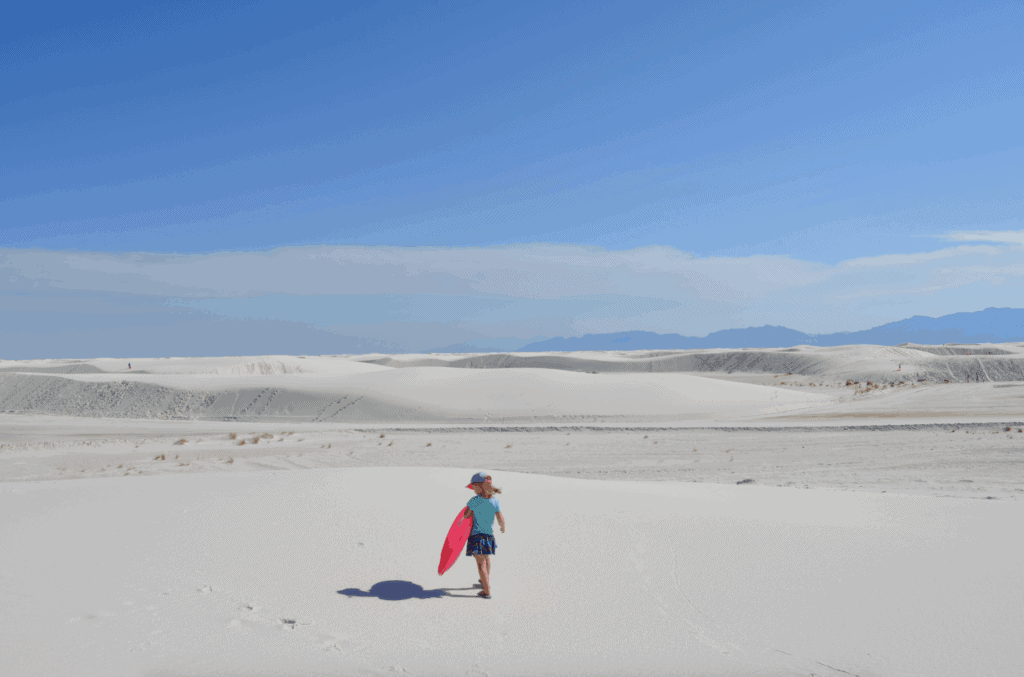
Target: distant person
129,365
483,508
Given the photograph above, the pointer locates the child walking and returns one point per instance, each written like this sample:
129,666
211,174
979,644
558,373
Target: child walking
483,508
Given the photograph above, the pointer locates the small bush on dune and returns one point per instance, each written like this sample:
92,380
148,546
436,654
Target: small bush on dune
161,457
256,440
241,442
181,441
232,436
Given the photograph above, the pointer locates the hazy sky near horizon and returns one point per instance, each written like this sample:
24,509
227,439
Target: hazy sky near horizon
415,175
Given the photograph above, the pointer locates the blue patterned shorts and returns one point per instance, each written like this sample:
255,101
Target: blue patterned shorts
481,544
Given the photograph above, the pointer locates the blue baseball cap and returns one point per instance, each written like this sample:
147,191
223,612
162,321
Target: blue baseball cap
479,477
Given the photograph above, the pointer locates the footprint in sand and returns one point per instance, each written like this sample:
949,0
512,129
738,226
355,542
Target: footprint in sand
293,623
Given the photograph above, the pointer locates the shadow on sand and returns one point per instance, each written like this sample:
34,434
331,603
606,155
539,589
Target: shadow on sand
398,590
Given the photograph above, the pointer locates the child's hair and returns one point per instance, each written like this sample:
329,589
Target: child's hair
487,489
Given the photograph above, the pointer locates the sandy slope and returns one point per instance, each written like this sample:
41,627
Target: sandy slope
334,571
202,566
338,389
645,386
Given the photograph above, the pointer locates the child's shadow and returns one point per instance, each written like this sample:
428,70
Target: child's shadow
399,590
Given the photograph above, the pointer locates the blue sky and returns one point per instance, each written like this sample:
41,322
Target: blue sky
342,177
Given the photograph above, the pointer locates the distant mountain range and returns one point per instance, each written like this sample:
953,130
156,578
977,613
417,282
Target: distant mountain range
992,325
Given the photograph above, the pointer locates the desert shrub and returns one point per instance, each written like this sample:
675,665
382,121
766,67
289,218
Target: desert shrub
232,436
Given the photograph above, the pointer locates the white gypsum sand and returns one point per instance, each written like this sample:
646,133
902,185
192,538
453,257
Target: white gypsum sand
334,572
823,564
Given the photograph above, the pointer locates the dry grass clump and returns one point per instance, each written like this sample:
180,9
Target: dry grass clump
508,446
181,441
241,442
161,457
231,459
430,444
256,439
382,434
232,436
267,436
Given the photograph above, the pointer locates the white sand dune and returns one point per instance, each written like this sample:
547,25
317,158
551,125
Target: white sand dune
334,572
985,362
283,515
659,386
338,389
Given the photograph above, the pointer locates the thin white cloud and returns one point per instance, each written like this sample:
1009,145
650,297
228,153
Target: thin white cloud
541,288
1001,236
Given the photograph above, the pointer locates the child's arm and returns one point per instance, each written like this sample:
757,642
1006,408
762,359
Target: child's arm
467,514
501,520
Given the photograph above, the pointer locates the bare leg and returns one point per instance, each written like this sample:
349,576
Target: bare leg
483,566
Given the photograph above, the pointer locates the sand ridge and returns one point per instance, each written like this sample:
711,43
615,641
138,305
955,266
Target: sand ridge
651,386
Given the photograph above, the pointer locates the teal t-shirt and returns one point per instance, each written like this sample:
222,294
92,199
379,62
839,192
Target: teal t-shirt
484,510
